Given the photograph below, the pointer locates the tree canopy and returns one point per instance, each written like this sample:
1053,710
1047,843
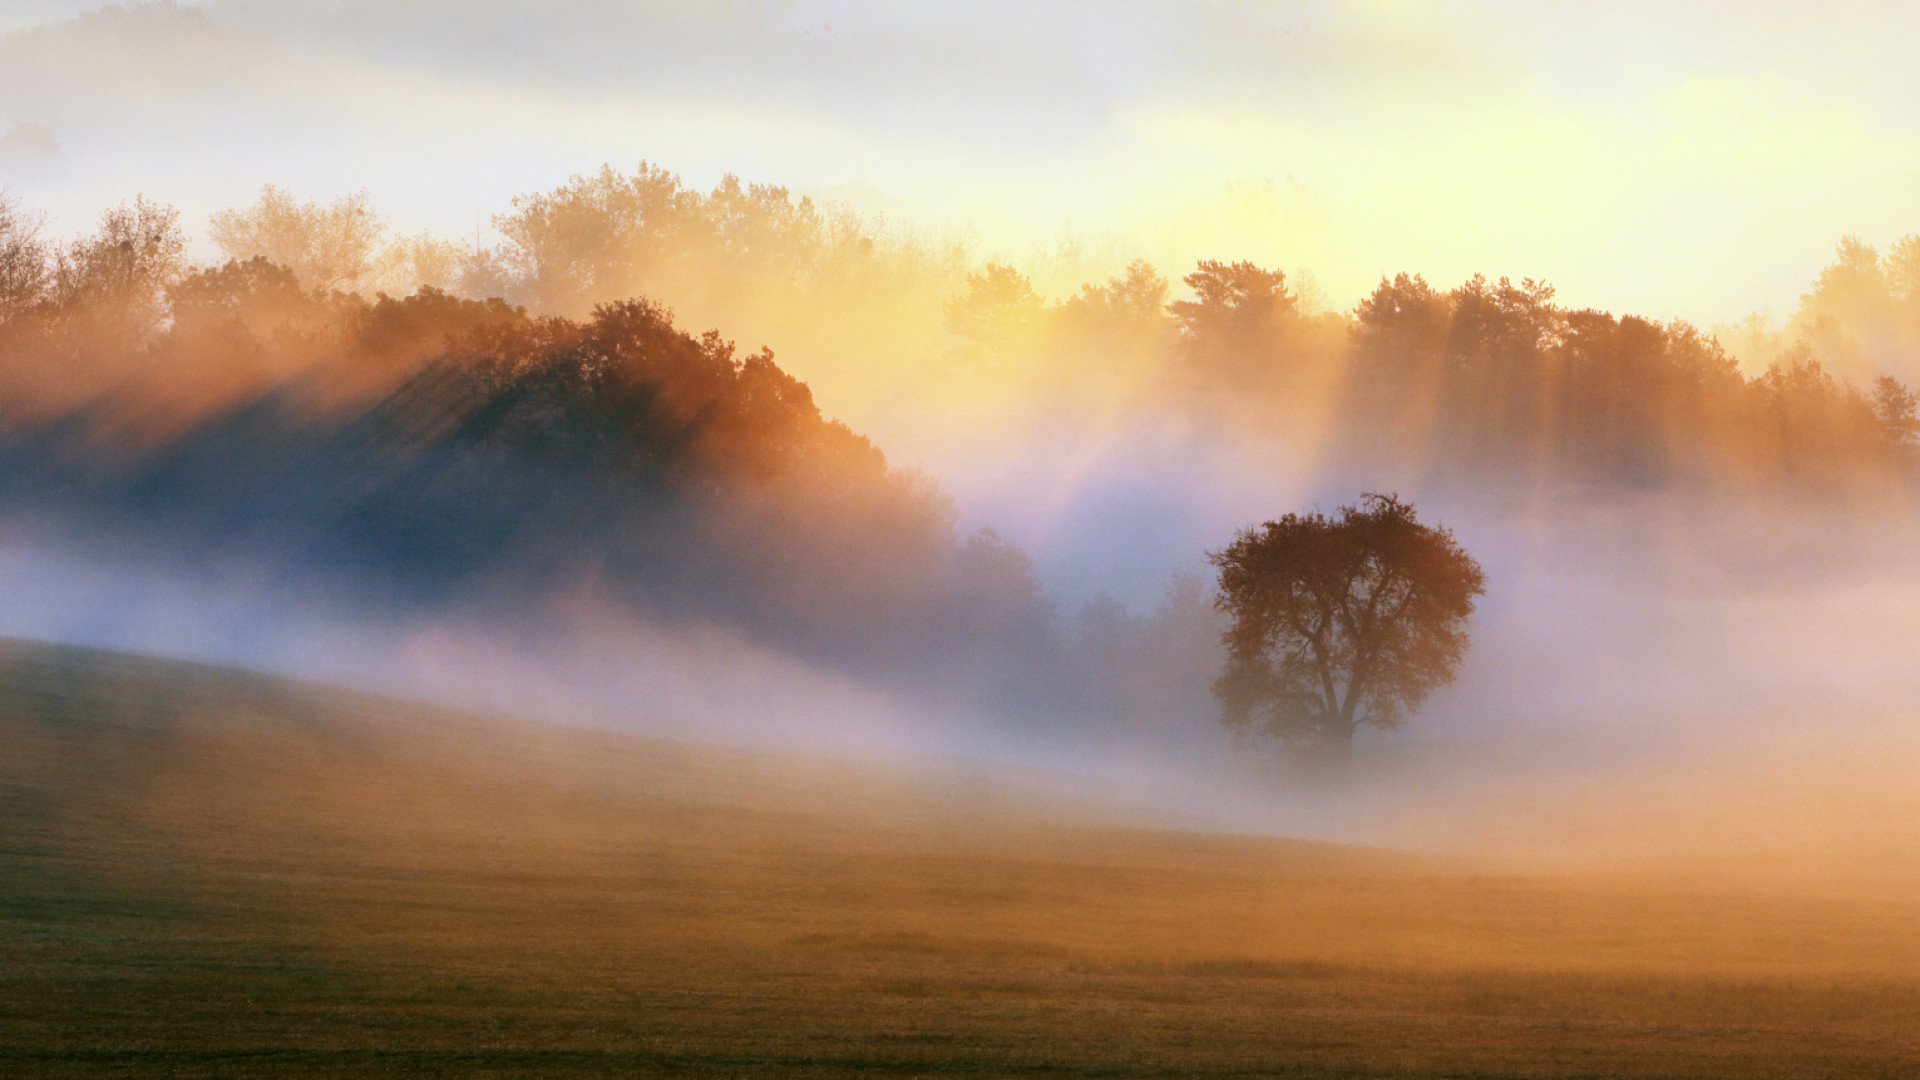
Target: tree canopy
526,411
1340,621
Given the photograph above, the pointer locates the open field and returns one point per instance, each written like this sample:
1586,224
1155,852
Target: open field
209,873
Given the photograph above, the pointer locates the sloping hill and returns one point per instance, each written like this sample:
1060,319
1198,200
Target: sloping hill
209,872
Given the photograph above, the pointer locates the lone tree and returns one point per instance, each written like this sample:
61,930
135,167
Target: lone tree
1340,621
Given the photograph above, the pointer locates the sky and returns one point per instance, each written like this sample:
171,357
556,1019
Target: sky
1695,160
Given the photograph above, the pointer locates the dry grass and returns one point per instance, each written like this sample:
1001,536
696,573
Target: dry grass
205,873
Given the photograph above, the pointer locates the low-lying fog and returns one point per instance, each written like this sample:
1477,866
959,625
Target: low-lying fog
572,502
1638,685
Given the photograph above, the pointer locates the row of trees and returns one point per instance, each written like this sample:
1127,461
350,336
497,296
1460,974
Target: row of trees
437,451
561,430
1491,379
1862,315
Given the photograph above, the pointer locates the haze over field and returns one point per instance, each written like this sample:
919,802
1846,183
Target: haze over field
1696,539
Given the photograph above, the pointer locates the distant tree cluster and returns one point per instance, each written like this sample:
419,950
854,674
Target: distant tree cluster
858,303
341,246
494,419
436,451
1489,380
1861,317
1495,378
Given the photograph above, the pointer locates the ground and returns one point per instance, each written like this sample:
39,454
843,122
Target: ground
210,873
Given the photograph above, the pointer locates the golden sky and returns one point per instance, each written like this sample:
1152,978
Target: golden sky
1675,159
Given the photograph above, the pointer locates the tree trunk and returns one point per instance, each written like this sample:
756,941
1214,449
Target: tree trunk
1326,757
1338,751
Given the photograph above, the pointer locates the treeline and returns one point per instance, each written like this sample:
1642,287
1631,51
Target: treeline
1488,382
432,454
910,341
1495,379
1862,315
439,425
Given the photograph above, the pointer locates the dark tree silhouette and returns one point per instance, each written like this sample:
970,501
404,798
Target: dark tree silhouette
1235,332
1896,408
1340,621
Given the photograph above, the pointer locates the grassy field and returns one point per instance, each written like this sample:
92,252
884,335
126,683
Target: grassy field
208,873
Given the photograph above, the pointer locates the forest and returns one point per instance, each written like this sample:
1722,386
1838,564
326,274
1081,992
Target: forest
428,426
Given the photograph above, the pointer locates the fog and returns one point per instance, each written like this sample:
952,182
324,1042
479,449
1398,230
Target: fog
816,538
514,476
1614,709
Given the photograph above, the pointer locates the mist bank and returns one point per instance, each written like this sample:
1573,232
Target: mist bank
563,504
1601,720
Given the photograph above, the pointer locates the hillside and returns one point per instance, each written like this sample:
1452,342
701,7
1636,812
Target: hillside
209,872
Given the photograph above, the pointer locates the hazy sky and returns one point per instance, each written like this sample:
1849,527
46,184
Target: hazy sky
1693,159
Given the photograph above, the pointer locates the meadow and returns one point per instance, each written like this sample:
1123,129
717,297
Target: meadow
207,872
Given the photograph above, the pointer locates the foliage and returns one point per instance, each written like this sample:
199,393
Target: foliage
1895,407
114,281
24,261
1491,380
1340,621
567,428
326,247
